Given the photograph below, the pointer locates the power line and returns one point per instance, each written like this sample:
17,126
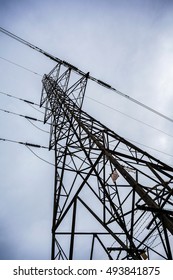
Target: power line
107,106
20,115
150,147
30,119
29,45
35,104
18,65
39,156
23,143
21,99
30,103
37,126
57,60
36,108
28,145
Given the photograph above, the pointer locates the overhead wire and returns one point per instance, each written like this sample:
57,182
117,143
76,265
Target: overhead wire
167,154
21,66
159,242
74,68
19,98
30,103
20,115
140,229
109,107
37,126
28,146
34,119
39,156
36,108
23,143
28,118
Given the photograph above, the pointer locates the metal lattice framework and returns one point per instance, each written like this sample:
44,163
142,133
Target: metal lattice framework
112,200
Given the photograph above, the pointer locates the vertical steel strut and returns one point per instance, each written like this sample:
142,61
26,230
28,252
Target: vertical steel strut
112,200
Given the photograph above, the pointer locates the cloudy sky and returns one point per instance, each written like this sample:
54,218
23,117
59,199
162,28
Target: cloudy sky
128,44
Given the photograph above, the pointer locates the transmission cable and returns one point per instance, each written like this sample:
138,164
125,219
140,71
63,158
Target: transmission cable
36,108
20,115
109,107
160,242
23,143
28,118
30,103
75,69
150,147
28,145
39,156
18,65
37,126
18,98
34,119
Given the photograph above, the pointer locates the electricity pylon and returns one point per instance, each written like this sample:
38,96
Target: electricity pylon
112,200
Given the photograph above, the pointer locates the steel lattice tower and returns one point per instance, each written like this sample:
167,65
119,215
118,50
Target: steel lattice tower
112,200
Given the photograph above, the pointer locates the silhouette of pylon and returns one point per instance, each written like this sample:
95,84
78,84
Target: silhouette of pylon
112,200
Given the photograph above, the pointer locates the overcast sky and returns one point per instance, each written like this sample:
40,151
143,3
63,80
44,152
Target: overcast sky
128,44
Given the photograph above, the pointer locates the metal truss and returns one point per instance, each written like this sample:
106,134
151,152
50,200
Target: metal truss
112,200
